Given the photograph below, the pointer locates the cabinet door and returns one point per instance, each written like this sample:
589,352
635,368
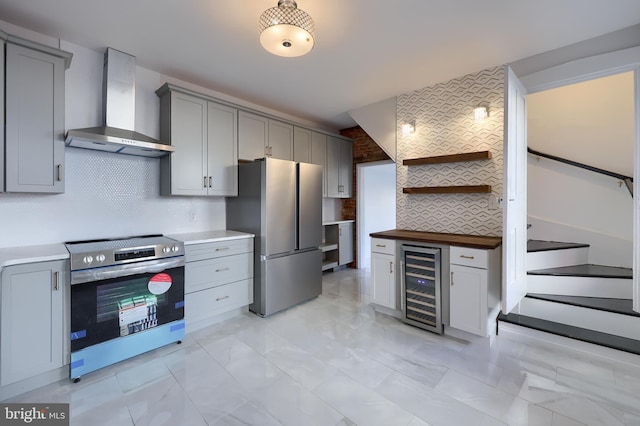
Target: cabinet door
345,243
34,83
33,323
346,169
333,167
319,156
301,145
189,170
280,140
253,131
222,153
383,280
468,299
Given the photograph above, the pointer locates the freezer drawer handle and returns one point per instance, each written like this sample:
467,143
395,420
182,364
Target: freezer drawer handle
222,269
221,298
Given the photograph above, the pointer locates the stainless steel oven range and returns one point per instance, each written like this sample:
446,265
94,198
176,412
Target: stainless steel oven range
127,297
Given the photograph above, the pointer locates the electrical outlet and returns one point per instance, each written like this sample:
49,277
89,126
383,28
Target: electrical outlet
494,203
192,216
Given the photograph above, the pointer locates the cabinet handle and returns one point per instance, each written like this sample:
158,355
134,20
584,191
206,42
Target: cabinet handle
467,257
381,245
210,179
221,298
391,267
222,269
56,280
340,232
222,248
59,169
451,278
205,181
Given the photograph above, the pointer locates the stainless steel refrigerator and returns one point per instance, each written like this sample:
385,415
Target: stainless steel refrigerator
280,202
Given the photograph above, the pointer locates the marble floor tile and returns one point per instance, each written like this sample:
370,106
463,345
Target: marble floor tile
335,360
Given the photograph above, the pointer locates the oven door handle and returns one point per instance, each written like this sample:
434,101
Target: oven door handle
152,266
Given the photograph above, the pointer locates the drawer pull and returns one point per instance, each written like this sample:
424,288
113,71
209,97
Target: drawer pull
451,279
467,257
221,298
222,248
57,279
222,269
391,267
381,245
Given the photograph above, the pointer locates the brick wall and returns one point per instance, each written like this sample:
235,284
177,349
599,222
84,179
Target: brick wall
365,150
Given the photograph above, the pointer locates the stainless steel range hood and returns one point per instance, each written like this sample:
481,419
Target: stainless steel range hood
118,94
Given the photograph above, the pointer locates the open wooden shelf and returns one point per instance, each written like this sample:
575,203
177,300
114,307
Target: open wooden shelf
452,158
463,189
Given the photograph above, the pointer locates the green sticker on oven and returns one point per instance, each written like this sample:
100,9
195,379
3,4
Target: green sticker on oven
159,283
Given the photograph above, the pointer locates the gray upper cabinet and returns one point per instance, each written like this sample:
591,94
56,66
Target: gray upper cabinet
339,167
204,134
301,145
260,137
319,156
34,117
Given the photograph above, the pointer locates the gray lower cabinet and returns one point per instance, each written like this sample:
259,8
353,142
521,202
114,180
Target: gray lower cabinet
339,167
260,137
345,243
218,279
383,272
34,117
204,134
33,323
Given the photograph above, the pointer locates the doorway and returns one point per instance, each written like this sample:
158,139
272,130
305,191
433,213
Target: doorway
376,201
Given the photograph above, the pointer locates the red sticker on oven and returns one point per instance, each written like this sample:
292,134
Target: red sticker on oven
159,283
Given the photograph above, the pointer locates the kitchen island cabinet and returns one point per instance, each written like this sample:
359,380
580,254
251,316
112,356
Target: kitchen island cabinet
34,332
33,144
204,134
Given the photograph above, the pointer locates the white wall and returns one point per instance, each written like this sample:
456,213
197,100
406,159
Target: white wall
107,195
570,204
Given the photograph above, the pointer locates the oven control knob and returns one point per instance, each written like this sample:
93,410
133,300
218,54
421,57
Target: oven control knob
100,258
166,249
87,259
175,248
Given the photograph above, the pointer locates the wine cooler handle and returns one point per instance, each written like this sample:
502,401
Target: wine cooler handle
403,294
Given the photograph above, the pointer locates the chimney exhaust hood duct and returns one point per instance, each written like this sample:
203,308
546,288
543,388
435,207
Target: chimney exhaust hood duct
119,96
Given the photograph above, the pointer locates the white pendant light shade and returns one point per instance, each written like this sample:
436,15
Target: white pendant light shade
286,30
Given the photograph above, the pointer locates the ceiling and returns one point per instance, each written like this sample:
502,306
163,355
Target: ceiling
366,50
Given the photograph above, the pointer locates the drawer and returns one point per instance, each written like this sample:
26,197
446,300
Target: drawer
195,252
381,245
210,273
468,257
215,301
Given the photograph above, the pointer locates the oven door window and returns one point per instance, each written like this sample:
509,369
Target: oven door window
118,307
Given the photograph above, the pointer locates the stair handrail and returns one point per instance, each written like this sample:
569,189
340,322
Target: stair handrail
628,180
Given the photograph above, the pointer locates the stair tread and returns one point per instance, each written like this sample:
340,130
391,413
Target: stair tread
540,245
618,306
598,271
585,335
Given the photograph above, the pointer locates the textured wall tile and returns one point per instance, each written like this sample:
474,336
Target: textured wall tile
444,121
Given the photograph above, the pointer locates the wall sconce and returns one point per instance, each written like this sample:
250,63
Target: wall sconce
480,113
408,128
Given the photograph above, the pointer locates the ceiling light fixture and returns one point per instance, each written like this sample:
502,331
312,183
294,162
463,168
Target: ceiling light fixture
286,30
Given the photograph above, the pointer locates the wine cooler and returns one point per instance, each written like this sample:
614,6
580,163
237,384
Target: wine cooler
420,277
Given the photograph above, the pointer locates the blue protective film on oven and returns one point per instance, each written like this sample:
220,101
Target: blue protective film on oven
180,304
177,327
78,334
77,364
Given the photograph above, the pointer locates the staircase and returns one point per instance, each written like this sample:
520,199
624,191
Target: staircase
571,298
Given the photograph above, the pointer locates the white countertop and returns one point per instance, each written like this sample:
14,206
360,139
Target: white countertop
335,222
210,236
31,254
